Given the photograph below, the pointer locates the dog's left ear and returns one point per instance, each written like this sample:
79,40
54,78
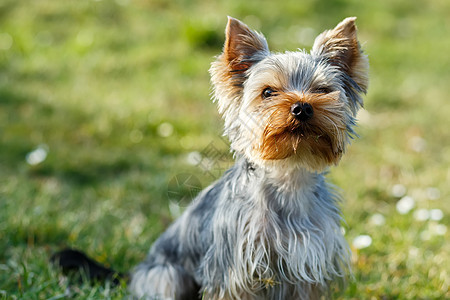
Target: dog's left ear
341,47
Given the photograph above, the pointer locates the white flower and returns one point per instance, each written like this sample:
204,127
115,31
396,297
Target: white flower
405,204
398,190
421,214
194,158
377,220
362,241
439,229
413,252
433,230
37,156
165,129
436,214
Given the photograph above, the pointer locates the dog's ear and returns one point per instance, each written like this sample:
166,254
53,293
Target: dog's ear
243,46
341,47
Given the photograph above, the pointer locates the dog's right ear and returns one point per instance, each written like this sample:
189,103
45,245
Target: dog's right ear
243,46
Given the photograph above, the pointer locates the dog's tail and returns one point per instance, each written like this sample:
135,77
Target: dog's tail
72,261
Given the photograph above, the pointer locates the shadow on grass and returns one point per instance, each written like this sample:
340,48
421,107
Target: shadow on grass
77,152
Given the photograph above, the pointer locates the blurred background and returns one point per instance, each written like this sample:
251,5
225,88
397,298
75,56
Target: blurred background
107,131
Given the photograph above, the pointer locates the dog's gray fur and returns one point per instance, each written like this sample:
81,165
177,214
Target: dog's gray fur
269,228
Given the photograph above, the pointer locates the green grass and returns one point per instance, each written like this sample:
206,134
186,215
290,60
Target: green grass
91,82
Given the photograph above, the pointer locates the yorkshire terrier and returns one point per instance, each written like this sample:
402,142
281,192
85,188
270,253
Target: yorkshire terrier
270,227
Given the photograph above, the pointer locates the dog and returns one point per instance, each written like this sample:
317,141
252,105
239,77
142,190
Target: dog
270,227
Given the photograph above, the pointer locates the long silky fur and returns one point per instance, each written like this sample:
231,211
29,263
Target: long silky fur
270,227
279,239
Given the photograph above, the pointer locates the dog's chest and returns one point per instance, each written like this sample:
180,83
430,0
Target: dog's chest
275,236
267,261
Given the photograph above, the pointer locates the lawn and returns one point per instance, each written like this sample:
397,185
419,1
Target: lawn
105,104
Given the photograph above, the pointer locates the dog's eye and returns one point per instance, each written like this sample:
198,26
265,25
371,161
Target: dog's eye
322,90
268,92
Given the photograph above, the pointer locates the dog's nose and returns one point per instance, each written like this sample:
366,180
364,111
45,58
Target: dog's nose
302,111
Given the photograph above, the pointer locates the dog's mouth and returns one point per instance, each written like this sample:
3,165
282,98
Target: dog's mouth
322,136
294,142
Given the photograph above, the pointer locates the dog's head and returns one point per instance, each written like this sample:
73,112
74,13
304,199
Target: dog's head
295,108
